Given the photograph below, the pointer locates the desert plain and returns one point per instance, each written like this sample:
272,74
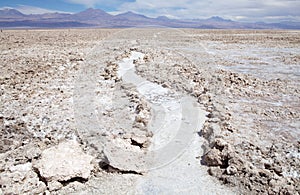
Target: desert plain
149,111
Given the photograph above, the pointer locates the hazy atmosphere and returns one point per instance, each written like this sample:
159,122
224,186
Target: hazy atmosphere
246,10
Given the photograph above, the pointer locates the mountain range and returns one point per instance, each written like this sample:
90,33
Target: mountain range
96,18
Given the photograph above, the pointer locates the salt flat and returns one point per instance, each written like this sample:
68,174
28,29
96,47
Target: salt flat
154,111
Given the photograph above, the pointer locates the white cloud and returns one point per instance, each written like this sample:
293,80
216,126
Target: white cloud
87,3
240,10
245,10
93,3
25,9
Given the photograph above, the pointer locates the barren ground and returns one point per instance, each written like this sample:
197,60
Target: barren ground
149,111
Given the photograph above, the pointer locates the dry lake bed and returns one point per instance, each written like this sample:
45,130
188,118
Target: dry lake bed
149,111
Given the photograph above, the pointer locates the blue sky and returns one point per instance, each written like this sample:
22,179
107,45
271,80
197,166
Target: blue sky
64,5
239,10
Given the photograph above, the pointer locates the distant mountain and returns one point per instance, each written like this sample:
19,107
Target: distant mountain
163,18
91,15
42,24
287,25
130,19
217,19
11,18
132,16
52,15
10,13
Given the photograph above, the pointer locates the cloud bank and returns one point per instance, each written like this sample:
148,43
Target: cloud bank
103,3
246,10
25,9
238,10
